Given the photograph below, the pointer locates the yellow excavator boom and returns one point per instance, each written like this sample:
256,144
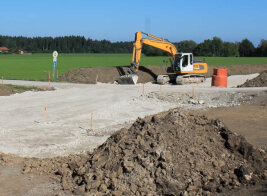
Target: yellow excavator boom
157,43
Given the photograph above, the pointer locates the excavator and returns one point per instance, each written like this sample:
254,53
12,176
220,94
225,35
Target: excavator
183,69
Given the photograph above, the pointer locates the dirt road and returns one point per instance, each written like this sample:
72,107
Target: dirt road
66,130
13,182
197,137
65,127
248,120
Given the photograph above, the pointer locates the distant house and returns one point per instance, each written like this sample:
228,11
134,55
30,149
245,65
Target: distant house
20,52
3,50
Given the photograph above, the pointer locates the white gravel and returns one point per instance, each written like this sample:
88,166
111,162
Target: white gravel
25,131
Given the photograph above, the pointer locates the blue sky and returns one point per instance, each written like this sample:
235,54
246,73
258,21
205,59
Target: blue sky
118,20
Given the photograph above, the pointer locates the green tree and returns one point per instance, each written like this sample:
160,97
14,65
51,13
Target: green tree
262,48
186,46
217,46
204,49
246,48
230,49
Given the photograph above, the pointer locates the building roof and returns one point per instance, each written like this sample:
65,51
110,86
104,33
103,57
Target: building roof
4,48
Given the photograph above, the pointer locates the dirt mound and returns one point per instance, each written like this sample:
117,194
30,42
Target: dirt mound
111,74
259,81
6,90
172,153
146,73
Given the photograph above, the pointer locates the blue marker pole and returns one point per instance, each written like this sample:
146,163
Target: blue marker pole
55,54
54,66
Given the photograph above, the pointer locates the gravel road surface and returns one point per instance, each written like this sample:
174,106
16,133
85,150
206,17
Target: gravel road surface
26,130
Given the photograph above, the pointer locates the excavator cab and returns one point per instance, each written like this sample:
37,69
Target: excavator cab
183,62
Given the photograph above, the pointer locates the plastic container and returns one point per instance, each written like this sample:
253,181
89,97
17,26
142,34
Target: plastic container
219,77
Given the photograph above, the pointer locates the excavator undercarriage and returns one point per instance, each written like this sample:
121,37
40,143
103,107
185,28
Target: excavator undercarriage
180,79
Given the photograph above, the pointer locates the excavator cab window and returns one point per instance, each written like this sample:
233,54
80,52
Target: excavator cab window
177,62
185,61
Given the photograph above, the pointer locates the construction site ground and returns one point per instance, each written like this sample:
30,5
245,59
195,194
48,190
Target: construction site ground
66,126
146,73
47,124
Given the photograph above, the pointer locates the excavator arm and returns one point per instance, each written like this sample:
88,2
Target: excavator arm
155,42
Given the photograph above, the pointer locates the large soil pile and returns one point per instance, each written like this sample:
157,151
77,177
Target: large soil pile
146,73
170,153
259,81
111,74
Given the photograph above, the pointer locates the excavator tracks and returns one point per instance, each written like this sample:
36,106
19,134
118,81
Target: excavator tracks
181,79
189,79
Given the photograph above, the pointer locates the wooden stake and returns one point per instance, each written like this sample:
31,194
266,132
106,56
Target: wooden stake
96,78
160,87
49,78
143,89
193,92
91,121
45,113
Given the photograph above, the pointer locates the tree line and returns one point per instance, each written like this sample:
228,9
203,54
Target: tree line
79,44
217,47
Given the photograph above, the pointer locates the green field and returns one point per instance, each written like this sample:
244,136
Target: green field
35,66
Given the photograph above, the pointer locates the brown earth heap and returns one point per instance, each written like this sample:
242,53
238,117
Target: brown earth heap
171,153
5,90
111,74
146,73
259,81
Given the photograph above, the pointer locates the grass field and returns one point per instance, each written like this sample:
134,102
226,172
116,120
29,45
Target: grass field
36,66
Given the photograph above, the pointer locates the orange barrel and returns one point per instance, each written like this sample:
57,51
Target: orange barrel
219,72
219,77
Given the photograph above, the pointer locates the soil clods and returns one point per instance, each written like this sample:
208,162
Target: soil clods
171,153
145,73
259,81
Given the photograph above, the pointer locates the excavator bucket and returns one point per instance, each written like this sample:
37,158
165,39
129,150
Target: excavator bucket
128,79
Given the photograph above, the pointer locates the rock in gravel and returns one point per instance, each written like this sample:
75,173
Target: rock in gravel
265,174
201,102
171,153
193,101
